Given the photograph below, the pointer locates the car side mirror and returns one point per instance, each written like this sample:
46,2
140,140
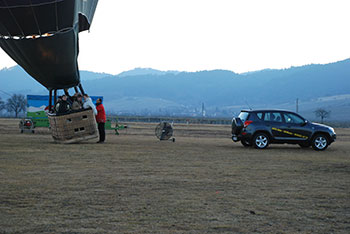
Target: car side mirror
304,123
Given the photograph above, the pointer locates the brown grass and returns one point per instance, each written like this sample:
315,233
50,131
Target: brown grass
202,183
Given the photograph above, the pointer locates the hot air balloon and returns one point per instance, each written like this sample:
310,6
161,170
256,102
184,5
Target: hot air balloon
42,37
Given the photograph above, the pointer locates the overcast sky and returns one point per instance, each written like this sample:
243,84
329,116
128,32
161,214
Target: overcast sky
192,35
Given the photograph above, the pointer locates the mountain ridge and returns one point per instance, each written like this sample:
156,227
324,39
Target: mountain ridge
223,92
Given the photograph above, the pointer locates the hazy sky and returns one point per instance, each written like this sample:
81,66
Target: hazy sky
192,35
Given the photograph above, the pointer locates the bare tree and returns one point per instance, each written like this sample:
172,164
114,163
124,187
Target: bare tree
322,113
16,103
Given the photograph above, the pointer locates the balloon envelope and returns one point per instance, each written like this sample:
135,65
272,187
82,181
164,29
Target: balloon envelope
42,37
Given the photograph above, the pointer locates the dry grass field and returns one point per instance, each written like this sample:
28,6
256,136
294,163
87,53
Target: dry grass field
202,183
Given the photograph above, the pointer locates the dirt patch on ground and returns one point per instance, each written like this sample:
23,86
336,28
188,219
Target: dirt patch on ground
202,183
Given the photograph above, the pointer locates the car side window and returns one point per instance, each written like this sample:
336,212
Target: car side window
267,116
259,115
277,117
291,118
273,117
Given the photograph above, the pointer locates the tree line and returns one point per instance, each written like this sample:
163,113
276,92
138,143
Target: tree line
16,104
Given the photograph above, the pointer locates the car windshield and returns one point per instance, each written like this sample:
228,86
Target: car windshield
243,116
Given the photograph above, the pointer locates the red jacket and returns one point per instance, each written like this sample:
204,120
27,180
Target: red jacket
101,114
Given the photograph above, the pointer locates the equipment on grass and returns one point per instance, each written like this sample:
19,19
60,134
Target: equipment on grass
116,126
26,125
164,131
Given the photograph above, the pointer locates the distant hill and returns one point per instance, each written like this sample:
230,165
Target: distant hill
16,80
149,91
145,71
87,75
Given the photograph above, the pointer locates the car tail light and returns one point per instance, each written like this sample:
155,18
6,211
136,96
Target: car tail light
246,123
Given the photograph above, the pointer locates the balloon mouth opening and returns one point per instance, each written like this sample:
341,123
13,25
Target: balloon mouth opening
35,36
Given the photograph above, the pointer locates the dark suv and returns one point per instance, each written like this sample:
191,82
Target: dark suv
259,128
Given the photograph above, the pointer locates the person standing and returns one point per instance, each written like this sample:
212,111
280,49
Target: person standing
101,120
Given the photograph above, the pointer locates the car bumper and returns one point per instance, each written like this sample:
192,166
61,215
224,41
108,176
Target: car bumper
235,138
333,138
243,136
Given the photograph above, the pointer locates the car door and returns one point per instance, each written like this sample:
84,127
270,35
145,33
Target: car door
274,122
294,128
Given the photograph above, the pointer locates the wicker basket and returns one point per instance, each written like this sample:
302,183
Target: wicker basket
73,127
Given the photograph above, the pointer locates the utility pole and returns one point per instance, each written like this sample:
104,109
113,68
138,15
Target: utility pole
203,110
297,105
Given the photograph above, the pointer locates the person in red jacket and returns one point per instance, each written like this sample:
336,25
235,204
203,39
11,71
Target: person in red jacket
101,120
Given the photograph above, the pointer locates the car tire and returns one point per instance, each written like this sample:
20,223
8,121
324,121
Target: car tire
261,140
320,142
246,143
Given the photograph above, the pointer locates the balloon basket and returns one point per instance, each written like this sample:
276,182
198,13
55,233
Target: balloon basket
73,127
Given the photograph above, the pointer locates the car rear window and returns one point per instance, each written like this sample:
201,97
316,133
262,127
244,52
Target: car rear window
243,116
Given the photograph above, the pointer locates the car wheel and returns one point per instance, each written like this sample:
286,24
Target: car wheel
304,145
261,141
320,142
246,143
